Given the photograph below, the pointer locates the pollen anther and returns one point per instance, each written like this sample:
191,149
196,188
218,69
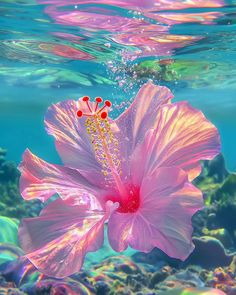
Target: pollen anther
79,114
98,99
108,103
85,98
93,109
104,143
103,115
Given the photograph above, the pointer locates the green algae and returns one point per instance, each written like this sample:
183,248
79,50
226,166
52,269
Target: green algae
220,234
193,72
224,199
227,189
9,230
9,252
212,177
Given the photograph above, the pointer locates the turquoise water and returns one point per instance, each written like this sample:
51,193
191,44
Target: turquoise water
53,50
32,76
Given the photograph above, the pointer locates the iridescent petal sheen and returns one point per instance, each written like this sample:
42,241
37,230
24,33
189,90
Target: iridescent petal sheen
140,117
167,204
41,180
72,141
148,203
57,241
182,137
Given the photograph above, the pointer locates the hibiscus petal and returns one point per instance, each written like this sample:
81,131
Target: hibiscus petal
41,180
167,204
72,141
128,229
182,138
57,241
141,116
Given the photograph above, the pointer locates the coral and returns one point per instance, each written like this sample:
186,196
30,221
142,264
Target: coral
225,203
212,176
160,276
156,258
117,272
220,234
52,286
115,275
223,279
7,169
193,291
209,181
219,190
209,252
215,169
206,250
11,202
184,278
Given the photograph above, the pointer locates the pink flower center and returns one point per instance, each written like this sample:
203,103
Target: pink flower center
130,203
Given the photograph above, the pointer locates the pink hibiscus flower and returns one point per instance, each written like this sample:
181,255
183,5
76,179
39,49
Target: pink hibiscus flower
133,172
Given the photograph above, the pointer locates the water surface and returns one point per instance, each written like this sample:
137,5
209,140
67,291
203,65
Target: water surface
51,50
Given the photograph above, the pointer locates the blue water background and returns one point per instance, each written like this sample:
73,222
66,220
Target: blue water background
22,107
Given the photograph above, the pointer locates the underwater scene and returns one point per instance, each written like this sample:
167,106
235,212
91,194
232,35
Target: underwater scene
117,147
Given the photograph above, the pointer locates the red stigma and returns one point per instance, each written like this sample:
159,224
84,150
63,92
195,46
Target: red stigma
85,98
131,203
98,99
79,114
93,108
108,103
103,115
